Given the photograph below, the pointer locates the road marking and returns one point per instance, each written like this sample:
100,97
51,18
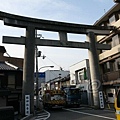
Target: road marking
109,118
82,108
43,116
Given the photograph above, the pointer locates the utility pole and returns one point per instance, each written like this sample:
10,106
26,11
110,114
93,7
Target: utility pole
38,54
37,96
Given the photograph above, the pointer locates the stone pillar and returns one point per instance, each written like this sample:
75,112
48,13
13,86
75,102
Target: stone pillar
94,69
28,69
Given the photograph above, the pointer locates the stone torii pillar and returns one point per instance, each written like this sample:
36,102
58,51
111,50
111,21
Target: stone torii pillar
28,69
95,72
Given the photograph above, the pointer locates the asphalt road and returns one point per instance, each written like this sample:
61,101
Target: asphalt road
81,114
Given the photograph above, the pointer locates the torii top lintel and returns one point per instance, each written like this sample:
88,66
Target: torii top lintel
21,21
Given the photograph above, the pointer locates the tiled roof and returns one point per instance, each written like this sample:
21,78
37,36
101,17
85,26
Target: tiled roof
5,66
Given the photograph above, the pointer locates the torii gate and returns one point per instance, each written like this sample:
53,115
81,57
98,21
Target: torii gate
32,24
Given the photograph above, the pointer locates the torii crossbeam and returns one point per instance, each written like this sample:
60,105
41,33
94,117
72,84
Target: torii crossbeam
32,24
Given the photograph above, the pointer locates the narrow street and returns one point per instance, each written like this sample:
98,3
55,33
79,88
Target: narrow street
81,114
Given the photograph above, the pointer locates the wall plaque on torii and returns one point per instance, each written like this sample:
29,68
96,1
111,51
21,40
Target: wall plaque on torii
32,24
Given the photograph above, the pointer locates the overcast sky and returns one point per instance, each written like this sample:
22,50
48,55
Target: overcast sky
72,11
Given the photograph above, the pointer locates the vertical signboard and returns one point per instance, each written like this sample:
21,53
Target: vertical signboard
27,104
101,99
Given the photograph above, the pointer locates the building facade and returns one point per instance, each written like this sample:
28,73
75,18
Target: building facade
79,72
54,74
109,60
11,77
54,78
80,77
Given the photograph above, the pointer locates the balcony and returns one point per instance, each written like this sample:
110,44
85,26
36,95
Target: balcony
111,78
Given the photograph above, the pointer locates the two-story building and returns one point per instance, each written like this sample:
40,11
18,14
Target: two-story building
10,81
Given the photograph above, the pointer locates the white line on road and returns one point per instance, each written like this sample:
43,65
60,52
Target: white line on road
48,114
43,116
109,118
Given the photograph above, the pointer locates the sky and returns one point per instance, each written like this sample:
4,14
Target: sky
70,11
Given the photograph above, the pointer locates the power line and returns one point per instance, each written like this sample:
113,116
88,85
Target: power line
55,63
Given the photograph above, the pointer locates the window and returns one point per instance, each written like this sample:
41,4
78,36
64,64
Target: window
117,63
81,75
115,41
108,66
112,19
11,81
3,82
117,15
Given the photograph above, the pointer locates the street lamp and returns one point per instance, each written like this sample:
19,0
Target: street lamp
37,96
45,67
